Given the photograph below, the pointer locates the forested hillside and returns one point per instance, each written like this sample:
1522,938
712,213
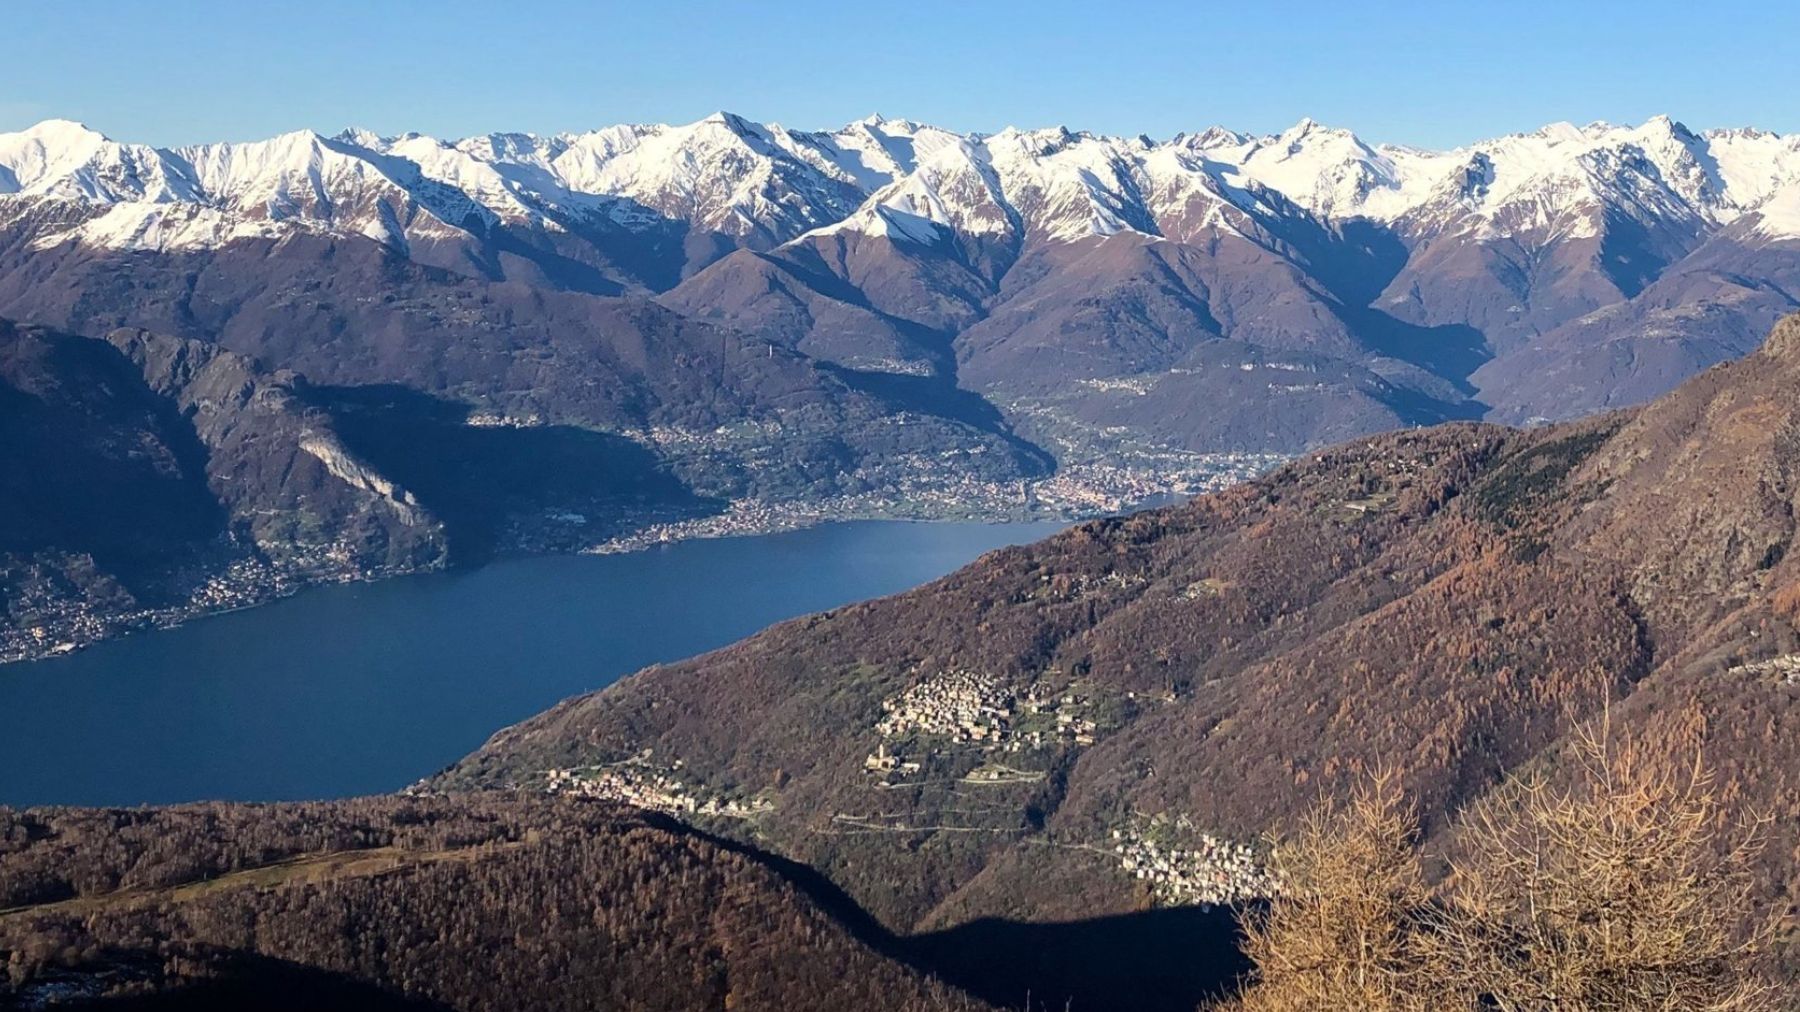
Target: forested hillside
1031,736
471,903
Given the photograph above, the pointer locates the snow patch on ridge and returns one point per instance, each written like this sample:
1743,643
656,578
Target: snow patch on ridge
161,228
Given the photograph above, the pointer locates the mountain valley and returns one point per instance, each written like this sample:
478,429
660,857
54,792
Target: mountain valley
1044,780
1188,508
728,326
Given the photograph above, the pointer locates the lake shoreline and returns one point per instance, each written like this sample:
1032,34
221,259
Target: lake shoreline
364,687
1075,493
745,519
227,595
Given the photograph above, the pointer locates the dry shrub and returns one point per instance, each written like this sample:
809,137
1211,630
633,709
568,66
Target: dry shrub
1786,602
1347,932
1621,889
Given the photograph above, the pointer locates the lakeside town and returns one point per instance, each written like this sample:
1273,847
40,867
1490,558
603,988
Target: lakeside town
62,624
1076,492
54,623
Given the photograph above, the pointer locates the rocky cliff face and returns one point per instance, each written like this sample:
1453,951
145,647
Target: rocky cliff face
259,431
150,477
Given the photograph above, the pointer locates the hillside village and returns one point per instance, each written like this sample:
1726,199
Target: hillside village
1784,669
642,782
962,710
1182,867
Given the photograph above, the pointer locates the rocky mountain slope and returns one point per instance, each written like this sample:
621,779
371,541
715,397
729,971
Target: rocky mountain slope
398,903
1113,717
144,478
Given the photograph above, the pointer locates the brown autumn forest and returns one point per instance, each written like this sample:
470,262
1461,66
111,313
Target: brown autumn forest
487,903
1448,604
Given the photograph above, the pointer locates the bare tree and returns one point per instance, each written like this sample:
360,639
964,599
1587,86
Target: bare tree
1345,931
1622,887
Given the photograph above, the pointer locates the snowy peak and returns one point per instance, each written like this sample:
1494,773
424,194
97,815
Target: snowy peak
1559,180
952,191
330,183
724,174
759,185
1328,171
1559,183
870,153
40,151
66,160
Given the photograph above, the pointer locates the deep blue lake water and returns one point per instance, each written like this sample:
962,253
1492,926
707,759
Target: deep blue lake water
364,688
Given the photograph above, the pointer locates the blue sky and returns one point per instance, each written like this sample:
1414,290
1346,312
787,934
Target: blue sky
1432,74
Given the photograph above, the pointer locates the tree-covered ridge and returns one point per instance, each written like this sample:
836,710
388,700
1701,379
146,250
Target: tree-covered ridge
472,903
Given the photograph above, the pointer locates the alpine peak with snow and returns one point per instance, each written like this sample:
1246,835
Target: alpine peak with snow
1080,282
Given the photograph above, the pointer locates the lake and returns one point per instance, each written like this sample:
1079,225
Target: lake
365,688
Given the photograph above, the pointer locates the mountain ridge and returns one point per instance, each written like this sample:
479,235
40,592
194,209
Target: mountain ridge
1328,170
895,319
1560,251
395,903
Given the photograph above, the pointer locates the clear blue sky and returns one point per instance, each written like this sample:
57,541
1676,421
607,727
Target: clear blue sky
1434,74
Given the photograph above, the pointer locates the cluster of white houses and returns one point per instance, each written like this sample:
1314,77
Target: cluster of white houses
637,781
61,622
1785,668
970,709
1209,872
964,706
1066,725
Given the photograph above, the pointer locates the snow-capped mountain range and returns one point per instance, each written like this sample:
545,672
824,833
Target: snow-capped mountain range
765,184
1081,283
